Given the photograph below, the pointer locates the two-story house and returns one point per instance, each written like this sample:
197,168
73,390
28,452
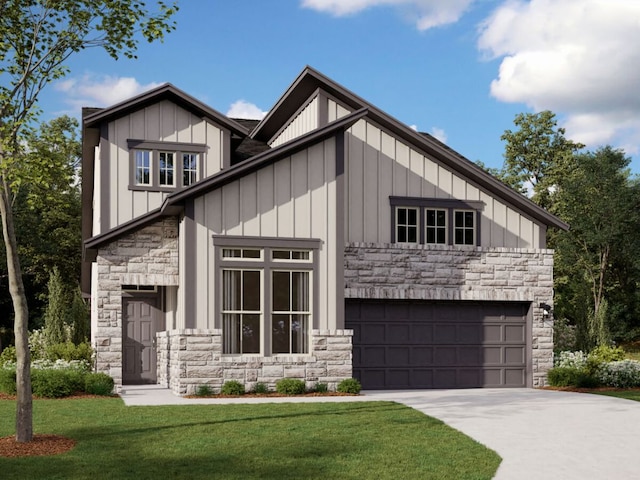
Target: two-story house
328,240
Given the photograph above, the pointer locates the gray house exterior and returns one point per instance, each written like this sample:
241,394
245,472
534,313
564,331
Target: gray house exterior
326,241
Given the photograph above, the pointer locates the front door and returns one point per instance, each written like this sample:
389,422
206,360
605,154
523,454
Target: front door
141,321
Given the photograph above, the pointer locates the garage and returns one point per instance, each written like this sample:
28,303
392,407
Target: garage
437,344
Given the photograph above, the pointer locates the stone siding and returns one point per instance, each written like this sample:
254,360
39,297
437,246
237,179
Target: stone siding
433,272
148,256
192,357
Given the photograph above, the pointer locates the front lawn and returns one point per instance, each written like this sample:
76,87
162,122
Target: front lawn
269,441
631,394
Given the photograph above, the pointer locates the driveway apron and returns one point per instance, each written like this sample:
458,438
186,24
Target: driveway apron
540,434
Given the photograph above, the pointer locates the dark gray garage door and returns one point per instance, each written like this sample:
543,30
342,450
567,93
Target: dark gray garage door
427,344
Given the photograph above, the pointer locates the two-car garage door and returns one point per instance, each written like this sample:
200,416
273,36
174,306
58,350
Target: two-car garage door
430,344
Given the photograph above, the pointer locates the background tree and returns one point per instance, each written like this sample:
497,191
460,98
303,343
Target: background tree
536,155
55,316
36,38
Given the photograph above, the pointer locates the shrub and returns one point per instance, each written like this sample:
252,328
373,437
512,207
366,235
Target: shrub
620,374
98,384
603,354
290,386
68,351
232,387
204,391
349,385
571,377
54,383
261,388
564,335
8,380
321,387
8,355
571,360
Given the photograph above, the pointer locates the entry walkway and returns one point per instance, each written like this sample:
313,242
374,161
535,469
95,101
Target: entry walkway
540,434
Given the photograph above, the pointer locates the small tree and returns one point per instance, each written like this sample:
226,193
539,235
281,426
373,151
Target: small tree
79,316
57,310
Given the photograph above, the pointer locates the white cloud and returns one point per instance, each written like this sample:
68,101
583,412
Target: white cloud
100,90
439,133
246,110
425,13
578,58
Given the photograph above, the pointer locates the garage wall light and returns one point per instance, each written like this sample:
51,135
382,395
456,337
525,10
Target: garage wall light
546,309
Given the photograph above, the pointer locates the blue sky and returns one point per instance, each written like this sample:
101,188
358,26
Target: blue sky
458,69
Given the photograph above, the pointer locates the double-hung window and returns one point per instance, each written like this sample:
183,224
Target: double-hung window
267,294
434,221
164,166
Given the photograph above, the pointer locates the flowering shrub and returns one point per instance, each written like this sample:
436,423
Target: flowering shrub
576,360
79,365
620,374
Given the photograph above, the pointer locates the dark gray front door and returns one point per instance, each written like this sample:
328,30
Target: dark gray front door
140,323
429,344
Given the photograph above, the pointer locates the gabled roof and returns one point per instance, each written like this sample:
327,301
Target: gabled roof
311,80
173,203
165,92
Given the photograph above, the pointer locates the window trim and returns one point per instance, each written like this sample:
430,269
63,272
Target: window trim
448,204
418,211
436,226
155,147
267,265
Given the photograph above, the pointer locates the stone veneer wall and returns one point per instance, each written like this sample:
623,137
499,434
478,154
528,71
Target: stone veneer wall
434,272
192,357
148,256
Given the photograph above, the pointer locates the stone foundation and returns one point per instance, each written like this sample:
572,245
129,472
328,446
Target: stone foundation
439,272
192,357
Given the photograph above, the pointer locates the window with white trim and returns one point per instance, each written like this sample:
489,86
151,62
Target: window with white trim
406,225
166,168
143,167
435,221
189,169
267,296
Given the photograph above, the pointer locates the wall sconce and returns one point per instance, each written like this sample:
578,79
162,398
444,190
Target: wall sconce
546,309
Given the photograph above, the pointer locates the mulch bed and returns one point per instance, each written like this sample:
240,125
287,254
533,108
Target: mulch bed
40,445
588,390
273,394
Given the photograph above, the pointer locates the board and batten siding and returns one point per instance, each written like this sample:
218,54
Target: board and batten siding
335,110
379,165
292,198
303,122
165,122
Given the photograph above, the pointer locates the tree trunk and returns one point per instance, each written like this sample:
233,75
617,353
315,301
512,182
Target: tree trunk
24,407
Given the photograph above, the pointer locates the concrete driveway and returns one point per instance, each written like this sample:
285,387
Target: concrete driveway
540,434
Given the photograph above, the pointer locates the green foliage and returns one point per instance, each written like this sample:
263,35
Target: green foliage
204,390
56,312
260,388
79,316
98,384
571,377
603,354
564,336
232,387
620,374
68,351
349,385
8,381
53,383
290,386
321,387
8,355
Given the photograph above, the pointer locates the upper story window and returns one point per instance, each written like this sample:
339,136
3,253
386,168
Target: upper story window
156,166
143,167
267,294
434,221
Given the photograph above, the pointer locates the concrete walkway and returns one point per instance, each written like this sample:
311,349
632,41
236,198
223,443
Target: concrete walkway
539,434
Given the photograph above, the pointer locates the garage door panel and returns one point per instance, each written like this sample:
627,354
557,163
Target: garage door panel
437,344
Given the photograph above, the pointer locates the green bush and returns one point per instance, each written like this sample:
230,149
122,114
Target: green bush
260,388
571,377
98,384
603,354
232,387
204,391
620,374
8,355
290,386
52,383
321,387
8,381
349,385
68,351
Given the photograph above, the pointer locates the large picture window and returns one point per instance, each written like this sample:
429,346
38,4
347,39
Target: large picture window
267,295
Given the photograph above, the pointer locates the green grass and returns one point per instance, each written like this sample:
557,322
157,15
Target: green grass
628,394
381,440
